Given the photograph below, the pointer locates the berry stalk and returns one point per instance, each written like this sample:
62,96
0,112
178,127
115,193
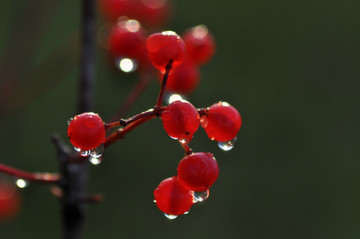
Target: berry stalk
163,84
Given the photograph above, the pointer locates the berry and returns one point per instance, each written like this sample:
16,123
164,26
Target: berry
172,198
153,12
184,79
127,40
165,47
86,131
113,9
200,44
150,12
222,122
181,120
9,201
198,171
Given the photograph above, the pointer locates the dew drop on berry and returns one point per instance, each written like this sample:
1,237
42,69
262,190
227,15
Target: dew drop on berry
69,121
85,153
97,152
171,97
95,161
154,201
21,183
126,65
201,196
227,146
77,149
169,216
185,213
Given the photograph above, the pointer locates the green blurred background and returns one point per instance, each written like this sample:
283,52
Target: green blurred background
291,68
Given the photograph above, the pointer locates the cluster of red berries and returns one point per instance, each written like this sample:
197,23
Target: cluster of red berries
196,171
126,41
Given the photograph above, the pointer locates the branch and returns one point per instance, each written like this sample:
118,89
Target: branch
32,177
76,176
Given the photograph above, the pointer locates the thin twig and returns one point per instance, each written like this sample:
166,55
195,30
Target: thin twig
163,84
32,177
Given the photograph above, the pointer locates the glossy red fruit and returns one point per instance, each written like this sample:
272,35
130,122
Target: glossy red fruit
173,198
181,120
153,12
222,122
165,47
86,131
184,79
198,171
9,201
113,9
200,44
127,40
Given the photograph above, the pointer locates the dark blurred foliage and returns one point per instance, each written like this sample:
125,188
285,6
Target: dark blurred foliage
292,69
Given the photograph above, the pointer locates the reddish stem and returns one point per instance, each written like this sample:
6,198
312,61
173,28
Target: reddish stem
131,124
163,85
186,148
33,177
202,111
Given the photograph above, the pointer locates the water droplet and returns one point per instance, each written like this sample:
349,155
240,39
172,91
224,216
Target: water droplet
21,183
169,216
170,97
95,161
126,65
97,152
85,153
154,201
77,149
201,196
183,141
187,212
226,146
69,121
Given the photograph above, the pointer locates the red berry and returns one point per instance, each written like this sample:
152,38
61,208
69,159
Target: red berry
172,198
86,131
181,120
200,44
165,47
113,9
127,40
222,122
184,79
9,201
198,171
153,12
